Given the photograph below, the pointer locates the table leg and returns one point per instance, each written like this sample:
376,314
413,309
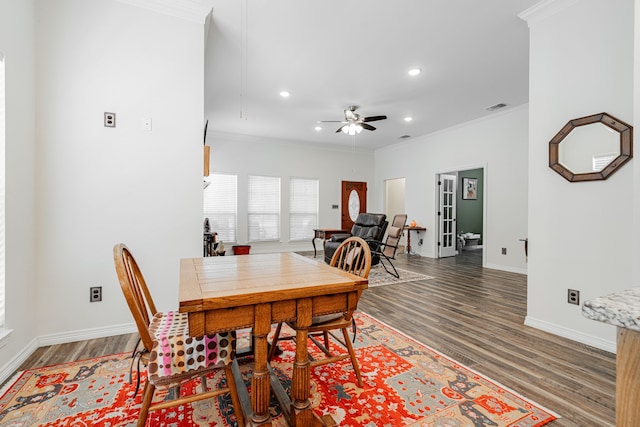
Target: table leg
313,242
260,381
408,242
301,413
627,378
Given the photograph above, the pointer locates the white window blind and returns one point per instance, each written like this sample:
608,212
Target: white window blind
600,161
221,205
264,208
2,189
303,208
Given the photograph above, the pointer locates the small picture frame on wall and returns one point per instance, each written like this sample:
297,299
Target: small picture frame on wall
469,188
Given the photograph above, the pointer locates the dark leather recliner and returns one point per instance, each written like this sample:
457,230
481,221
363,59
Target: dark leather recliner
368,226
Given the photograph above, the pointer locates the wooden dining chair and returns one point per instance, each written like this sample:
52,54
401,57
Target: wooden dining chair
353,256
172,357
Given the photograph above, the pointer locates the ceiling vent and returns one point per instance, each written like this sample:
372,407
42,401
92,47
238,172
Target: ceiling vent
404,137
496,107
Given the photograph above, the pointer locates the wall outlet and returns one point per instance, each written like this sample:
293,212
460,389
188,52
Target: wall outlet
504,251
109,120
573,296
95,294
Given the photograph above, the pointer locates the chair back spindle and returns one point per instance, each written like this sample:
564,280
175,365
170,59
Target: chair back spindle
353,256
136,292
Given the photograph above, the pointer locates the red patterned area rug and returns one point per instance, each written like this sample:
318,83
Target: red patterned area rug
405,384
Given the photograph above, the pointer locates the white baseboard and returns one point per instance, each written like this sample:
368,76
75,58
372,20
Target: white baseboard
12,365
507,268
571,334
81,335
86,334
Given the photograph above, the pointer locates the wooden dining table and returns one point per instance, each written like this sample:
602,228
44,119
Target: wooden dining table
255,291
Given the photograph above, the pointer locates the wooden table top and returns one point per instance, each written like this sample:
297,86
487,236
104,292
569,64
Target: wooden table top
231,281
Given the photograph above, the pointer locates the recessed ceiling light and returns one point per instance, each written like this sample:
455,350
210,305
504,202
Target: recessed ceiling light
408,119
318,128
415,71
285,94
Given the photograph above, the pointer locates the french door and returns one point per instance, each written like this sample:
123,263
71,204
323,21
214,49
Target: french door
447,216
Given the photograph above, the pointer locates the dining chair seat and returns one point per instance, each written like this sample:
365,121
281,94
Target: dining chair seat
176,356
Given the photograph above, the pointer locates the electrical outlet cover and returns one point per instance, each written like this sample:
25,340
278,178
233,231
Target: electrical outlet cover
109,120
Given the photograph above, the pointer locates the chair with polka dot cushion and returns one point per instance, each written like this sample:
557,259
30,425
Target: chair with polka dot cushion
172,357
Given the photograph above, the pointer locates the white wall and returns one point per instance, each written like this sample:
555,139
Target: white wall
636,116
582,61
497,143
98,186
244,155
17,43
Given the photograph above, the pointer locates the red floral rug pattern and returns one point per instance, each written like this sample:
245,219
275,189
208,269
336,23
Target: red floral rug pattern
405,384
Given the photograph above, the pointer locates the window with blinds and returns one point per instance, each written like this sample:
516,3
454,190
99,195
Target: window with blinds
2,190
221,205
264,208
303,208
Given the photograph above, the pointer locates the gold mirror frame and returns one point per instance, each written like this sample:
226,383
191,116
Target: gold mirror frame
626,147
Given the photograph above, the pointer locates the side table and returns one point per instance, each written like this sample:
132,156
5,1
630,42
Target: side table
409,229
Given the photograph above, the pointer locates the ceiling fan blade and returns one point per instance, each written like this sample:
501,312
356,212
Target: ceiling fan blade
374,118
340,128
331,121
367,127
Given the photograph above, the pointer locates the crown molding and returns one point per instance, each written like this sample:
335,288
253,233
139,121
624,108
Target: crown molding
544,9
190,10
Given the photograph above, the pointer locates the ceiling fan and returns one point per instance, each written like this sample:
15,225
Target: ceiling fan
353,123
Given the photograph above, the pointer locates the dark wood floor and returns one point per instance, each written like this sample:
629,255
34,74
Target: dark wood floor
475,316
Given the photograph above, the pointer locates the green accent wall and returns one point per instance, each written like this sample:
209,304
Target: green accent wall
469,212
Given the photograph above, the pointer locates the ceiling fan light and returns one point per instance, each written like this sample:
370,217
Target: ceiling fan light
345,129
353,129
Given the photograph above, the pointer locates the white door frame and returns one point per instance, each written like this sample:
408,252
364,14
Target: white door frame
447,201
455,170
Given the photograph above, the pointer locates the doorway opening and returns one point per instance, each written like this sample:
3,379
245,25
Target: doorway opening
394,204
460,212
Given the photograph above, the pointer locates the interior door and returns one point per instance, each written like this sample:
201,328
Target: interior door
447,216
354,201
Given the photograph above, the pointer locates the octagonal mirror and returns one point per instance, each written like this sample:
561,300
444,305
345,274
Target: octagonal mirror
591,148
